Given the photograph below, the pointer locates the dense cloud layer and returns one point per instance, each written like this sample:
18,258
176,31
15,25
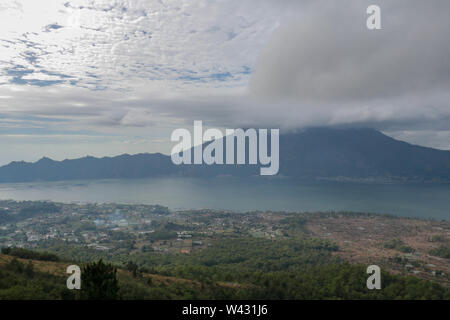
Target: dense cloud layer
329,55
138,69
334,70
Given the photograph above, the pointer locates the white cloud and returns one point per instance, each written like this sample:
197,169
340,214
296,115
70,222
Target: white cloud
431,138
106,44
131,71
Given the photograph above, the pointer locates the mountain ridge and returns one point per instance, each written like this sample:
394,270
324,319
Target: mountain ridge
315,153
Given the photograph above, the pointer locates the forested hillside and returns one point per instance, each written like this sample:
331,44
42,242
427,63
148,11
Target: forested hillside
307,271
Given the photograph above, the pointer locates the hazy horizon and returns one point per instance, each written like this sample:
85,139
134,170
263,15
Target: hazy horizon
399,137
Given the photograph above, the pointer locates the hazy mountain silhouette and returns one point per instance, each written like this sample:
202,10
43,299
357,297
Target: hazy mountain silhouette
313,153
359,153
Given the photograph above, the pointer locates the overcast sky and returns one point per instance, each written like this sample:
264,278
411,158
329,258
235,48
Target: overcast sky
112,77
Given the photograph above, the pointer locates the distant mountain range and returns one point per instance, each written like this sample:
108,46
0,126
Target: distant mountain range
320,153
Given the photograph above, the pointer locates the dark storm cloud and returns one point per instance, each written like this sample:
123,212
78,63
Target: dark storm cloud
328,54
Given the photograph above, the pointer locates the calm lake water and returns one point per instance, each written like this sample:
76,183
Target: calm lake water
413,200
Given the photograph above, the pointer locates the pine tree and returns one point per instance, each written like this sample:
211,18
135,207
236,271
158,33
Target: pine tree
29,269
99,281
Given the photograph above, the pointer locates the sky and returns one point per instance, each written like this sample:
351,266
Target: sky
104,78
